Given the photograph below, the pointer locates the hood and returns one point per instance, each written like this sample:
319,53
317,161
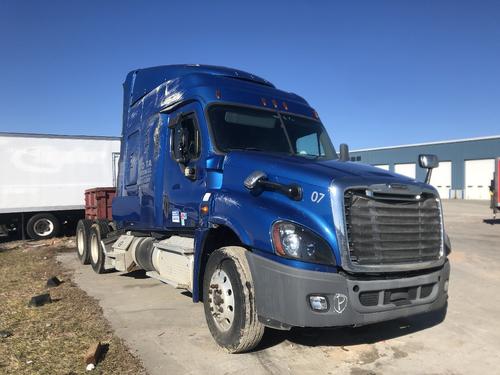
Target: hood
286,169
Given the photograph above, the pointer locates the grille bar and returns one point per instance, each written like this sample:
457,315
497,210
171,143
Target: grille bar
382,231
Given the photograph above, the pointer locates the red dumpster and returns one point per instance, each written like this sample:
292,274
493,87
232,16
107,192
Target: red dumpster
98,203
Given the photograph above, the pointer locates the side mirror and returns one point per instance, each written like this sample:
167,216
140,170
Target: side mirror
344,152
429,162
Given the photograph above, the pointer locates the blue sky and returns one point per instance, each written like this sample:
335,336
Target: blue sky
378,72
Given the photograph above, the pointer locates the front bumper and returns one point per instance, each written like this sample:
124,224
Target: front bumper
282,295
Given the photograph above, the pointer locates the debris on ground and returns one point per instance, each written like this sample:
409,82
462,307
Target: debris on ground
36,244
5,334
90,367
93,353
53,282
40,300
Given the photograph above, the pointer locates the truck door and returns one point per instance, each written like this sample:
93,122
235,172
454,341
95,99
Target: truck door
184,182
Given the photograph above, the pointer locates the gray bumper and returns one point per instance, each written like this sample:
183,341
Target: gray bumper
282,294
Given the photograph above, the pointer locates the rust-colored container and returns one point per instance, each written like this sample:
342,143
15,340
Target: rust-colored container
98,203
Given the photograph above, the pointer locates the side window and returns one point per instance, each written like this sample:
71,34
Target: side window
186,143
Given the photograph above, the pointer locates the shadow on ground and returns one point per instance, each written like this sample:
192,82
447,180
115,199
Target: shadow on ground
491,221
349,336
342,336
139,274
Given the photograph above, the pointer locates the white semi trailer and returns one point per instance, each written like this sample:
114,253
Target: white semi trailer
42,178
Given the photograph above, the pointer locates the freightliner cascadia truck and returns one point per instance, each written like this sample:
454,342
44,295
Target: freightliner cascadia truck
231,189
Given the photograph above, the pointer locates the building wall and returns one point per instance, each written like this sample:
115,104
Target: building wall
455,151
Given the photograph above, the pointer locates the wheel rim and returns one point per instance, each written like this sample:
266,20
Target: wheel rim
79,242
94,248
43,227
221,299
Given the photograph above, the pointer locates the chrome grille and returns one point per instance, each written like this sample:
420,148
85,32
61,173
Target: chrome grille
391,229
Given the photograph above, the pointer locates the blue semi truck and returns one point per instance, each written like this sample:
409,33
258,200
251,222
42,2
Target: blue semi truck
231,189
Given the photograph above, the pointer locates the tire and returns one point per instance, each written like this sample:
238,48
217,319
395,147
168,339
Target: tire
83,240
98,231
43,226
237,330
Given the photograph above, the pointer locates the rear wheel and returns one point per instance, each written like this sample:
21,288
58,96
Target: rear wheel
98,231
229,301
42,226
82,240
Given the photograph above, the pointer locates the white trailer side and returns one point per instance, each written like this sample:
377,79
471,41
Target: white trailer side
49,173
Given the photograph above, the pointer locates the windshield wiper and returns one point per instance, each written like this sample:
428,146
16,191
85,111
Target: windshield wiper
259,150
246,148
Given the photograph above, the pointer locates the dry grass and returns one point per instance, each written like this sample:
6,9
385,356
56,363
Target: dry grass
51,339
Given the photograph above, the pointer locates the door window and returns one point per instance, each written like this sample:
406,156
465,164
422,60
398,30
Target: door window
186,143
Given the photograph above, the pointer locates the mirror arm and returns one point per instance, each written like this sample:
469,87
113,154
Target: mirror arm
428,176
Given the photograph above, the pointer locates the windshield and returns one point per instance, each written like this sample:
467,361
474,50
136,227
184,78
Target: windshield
239,128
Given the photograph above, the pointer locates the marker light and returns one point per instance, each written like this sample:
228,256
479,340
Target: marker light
263,101
217,94
275,103
204,209
285,106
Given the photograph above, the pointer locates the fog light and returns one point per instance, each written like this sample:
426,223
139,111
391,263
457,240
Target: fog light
445,287
318,303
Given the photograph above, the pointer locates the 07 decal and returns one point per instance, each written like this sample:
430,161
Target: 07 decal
316,197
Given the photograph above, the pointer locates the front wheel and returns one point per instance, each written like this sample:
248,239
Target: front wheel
229,301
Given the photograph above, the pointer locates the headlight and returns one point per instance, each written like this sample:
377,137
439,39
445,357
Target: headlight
294,241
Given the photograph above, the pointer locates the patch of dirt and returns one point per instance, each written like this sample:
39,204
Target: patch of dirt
52,339
398,353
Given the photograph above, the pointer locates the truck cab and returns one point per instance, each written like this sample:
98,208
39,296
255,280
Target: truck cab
232,189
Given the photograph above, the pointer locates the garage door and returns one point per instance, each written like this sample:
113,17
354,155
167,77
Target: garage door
441,179
382,166
407,169
478,175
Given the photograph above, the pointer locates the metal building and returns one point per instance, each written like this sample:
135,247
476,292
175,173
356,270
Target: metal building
465,170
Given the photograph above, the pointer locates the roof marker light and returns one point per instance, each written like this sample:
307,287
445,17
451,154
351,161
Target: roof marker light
315,115
217,94
263,101
275,103
285,106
